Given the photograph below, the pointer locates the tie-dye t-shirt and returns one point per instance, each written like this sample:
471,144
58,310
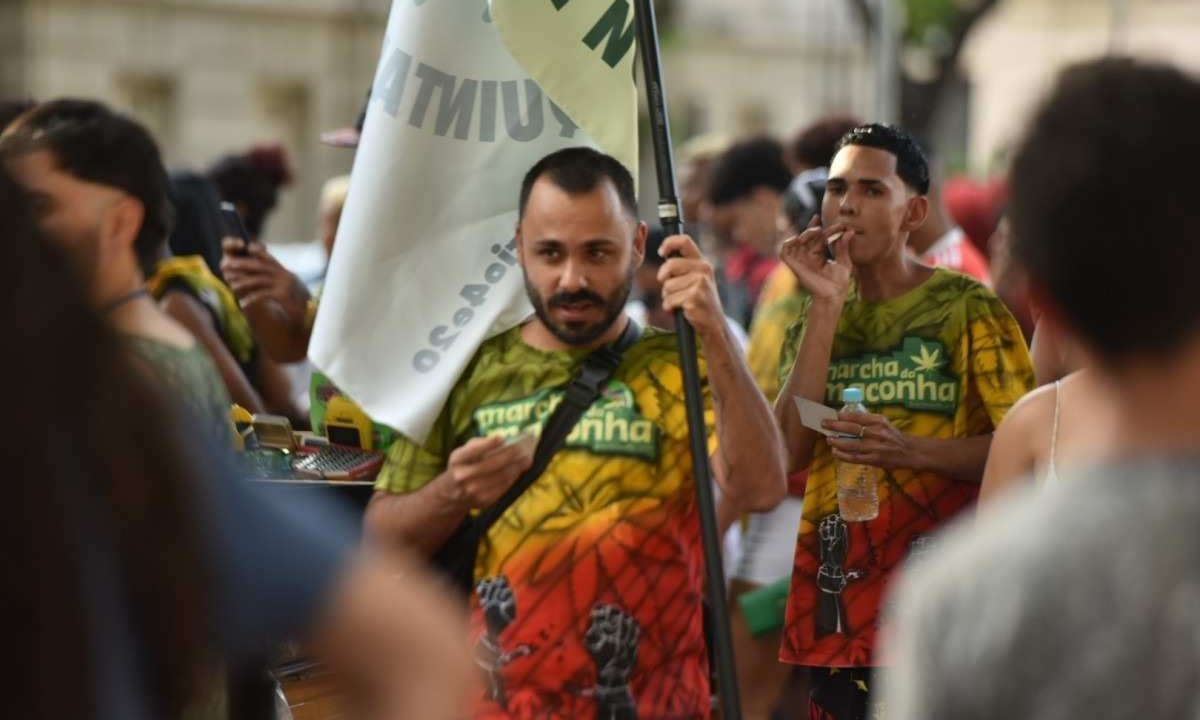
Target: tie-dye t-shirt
944,360
588,589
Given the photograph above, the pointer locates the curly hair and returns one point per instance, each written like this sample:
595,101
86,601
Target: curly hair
252,181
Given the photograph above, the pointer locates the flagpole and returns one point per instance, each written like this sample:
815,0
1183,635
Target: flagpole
671,217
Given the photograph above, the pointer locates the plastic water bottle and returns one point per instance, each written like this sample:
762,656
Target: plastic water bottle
857,485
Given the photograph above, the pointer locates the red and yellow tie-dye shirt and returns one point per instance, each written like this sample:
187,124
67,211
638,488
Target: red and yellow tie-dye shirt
588,588
945,360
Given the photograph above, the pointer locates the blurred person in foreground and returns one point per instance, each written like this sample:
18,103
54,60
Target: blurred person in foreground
939,361
99,192
1081,600
139,562
588,591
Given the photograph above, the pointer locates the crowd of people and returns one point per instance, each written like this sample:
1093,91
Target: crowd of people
151,579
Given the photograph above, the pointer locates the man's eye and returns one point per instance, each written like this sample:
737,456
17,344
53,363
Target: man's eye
548,253
599,253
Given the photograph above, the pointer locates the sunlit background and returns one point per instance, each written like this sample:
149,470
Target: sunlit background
210,77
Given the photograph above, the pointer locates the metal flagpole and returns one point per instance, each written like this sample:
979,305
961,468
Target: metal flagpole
671,217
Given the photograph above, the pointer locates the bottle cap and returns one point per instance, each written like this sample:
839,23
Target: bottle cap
852,395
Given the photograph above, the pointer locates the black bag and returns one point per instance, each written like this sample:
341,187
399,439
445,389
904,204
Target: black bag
455,559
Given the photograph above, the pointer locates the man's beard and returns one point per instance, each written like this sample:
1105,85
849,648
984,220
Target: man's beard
579,334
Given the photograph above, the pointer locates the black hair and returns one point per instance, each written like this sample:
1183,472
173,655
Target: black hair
911,164
12,109
1101,210
578,170
745,166
199,226
252,181
802,200
93,143
816,144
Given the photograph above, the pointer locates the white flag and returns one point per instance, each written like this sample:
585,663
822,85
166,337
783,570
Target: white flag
424,269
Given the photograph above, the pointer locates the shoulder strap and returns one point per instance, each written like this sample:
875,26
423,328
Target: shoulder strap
598,367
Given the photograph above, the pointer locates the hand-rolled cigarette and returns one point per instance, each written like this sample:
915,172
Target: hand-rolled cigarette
834,238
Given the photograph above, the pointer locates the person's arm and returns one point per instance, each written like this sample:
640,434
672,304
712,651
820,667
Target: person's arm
396,641
476,475
882,445
274,300
276,389
189,312
827,283
1013,458
748,463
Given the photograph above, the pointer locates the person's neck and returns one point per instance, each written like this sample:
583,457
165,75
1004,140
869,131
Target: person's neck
890,278
139,315
536,335
933,229
1158,404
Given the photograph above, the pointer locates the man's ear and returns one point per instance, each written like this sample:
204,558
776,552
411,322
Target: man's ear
520,243
915,214
639,244
121,225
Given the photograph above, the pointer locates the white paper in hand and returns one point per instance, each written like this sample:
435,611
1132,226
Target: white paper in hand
812,414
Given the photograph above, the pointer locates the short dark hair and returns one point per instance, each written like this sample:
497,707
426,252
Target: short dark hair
252,181
93,143
816,144
911,164
1100,210
12,109
747,165
579,170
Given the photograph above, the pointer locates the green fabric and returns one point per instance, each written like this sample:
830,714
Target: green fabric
320,391
188,376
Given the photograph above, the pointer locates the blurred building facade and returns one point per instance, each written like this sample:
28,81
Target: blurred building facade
1015,53
765,65
208,77
215,76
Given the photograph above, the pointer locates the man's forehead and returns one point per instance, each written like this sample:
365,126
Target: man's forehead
858,162
550,203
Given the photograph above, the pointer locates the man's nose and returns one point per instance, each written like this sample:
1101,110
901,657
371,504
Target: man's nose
848,206
573,277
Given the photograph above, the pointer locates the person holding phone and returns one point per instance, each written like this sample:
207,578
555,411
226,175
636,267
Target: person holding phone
190,292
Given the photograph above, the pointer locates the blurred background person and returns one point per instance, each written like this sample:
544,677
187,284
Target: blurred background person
940,242
744,189
252,181
1012,286
99,192
139,563
190,292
